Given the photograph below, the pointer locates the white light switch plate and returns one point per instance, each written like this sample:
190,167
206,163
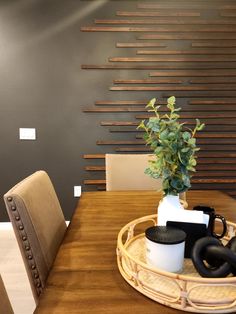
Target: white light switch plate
77,190
27,134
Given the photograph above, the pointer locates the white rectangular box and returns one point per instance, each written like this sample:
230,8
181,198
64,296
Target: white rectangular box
27,134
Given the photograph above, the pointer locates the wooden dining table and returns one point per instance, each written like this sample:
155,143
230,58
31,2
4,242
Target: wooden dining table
85,277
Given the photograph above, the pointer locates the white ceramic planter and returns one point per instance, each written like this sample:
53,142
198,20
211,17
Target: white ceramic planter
170,209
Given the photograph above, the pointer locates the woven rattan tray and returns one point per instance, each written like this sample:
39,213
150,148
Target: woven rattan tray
186,291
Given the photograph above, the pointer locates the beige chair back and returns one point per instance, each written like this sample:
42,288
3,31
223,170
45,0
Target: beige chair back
39,225
5,305
126,172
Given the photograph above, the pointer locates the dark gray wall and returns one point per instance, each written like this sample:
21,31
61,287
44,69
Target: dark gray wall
42,86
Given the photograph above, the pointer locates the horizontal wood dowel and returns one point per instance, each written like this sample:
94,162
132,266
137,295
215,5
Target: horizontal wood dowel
175,59
207,173
215,80
218,180
208,169
95,168
213,102
123,142
149,81
175,5
208,115
94,156
182,13
216,29
210,141
201,160
161,109
212,155
123,102
198,73
166,21
201,107
209,122
145,101
193,180
203,147
115,109
94,182
140,45
119,123
187,52
188,36
216,167
202,94
208,87
214,45
173,66
208,130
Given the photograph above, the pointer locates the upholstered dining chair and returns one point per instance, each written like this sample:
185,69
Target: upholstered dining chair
5,305
126,172
39,225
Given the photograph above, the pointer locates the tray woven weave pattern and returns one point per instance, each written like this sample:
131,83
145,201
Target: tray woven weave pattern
186,291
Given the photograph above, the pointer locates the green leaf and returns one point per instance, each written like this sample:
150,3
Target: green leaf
171,100
201,126
186,136
141,125
185,150
174,116
192,162
177,183
158,150
192,141
171,136
163,135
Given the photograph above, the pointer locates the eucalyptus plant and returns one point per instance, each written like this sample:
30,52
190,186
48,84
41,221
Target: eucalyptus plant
173,144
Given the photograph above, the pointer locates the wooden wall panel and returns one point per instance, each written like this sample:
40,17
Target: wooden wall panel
186,49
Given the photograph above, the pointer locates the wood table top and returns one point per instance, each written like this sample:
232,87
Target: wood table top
85,277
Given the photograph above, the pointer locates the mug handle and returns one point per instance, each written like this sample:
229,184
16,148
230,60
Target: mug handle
223,220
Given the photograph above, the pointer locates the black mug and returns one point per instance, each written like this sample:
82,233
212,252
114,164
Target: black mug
212,217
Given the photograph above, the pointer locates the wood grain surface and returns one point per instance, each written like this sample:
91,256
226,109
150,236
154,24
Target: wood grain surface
85,278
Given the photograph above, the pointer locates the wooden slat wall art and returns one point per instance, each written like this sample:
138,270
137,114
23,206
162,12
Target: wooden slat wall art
184,48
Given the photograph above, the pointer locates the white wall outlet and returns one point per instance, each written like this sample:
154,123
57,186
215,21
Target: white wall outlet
27,134
77,190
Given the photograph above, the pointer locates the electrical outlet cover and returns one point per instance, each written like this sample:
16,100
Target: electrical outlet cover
77,190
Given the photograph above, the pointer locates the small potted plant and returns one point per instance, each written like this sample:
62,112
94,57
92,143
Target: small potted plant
174,148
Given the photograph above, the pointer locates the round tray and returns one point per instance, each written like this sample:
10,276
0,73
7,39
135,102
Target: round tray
186,291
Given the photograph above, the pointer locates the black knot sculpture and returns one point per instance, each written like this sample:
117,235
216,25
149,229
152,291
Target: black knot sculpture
212,259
